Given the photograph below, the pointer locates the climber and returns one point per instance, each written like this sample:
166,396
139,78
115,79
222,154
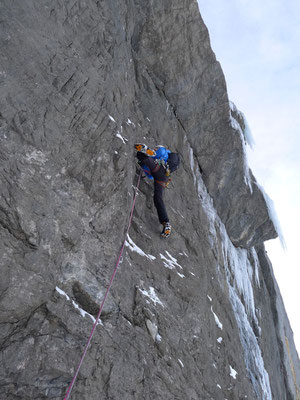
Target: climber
158,165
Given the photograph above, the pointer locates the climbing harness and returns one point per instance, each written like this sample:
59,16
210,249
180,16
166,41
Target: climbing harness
164,184
67,396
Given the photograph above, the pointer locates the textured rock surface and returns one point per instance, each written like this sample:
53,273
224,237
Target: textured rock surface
81,81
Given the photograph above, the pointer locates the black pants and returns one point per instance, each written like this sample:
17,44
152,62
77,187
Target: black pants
160,178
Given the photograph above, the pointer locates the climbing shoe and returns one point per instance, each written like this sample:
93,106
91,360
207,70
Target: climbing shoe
166,230
144,149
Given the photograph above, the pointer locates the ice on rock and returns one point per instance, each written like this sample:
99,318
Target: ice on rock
233,372
158,338
256,265
83,313
203,196
246,137
62,293
239,275
36,156
219,324
129,122
273,216
152,329
192,164
252,353
133,247
247,132
120,137
152,296
241,269
235,125
170,262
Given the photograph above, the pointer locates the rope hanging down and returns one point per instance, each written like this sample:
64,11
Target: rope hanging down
67,396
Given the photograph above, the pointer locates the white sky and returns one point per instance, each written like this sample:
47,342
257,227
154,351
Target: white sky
258,45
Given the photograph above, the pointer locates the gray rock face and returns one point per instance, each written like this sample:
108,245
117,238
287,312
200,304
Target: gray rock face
197,316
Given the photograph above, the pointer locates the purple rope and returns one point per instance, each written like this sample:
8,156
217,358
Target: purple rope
67,396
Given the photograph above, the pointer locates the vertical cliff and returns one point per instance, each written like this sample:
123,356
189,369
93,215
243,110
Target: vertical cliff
197,316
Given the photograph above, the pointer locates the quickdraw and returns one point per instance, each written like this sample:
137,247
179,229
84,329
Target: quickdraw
164,164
